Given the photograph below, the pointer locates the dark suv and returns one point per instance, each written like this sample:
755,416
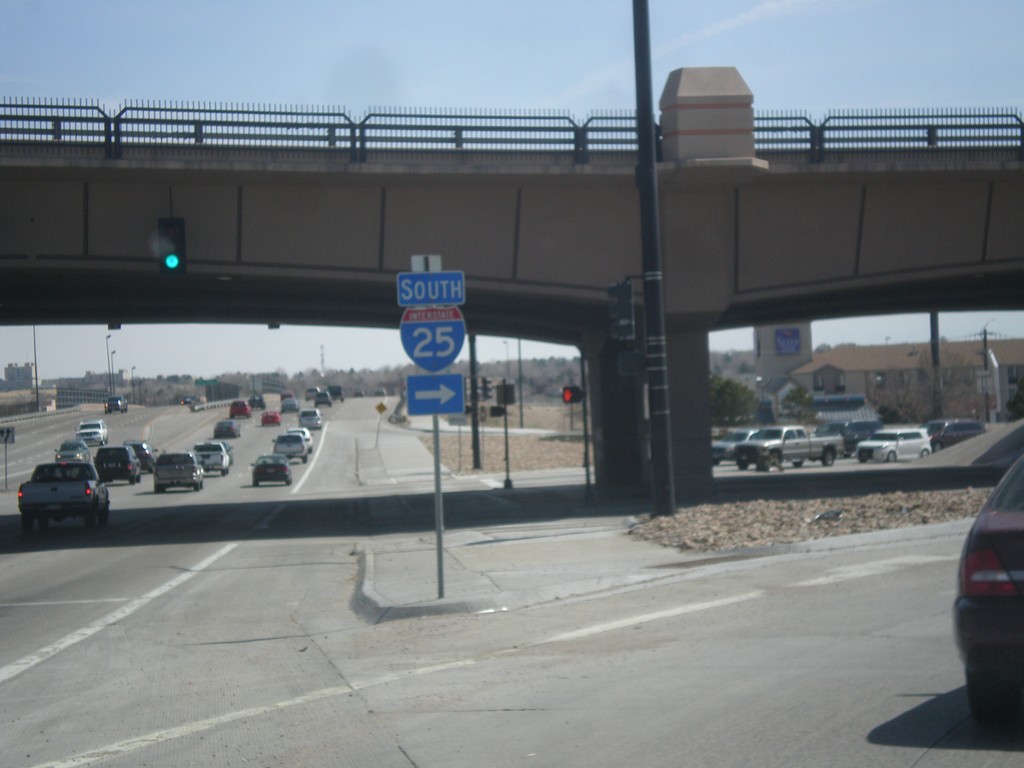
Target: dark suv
117,403
947,432
117,462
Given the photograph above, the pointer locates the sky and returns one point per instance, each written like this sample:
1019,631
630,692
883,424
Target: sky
573,56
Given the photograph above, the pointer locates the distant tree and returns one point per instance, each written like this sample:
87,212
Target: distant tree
1015,406
798,404
731,402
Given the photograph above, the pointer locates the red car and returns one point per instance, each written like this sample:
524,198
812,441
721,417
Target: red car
271,419
988,613
240,410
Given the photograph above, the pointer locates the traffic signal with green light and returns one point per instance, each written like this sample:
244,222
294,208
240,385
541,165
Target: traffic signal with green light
572,394
171,246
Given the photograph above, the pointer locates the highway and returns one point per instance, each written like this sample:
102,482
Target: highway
214,628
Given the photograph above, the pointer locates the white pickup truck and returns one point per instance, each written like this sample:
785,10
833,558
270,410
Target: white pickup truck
63,489
213,457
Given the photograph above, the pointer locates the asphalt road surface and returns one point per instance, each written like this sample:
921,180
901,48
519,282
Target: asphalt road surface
214,629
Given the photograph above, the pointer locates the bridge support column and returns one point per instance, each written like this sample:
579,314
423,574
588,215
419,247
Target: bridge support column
689,373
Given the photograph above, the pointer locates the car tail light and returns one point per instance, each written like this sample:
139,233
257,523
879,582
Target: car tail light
88,490
982,575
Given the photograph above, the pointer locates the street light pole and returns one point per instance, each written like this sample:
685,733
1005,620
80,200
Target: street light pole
654,311
110,370
133,386
112,353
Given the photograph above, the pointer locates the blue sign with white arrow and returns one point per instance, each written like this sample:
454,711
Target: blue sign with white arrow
429,395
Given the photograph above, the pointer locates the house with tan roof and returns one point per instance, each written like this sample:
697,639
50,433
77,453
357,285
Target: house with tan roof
971,379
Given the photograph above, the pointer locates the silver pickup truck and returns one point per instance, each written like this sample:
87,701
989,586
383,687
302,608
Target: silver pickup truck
63,489
770,447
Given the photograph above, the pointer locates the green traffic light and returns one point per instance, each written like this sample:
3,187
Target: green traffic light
171,261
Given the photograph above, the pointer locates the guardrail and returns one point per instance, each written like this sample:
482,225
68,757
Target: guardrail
39,415
401,135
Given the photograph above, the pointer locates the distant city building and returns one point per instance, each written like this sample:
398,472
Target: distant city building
20,376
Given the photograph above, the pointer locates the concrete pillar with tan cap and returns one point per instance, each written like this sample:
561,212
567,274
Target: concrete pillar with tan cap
706,113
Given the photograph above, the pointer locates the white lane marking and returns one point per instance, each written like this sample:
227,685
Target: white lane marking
121,749
312,463
877,568
266,521
27,662
648,617
47,603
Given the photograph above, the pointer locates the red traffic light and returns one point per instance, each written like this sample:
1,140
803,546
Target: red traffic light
572,394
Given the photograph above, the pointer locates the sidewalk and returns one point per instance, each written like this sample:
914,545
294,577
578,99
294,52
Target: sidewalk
514,566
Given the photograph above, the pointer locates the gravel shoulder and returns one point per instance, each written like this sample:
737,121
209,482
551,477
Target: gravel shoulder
725,525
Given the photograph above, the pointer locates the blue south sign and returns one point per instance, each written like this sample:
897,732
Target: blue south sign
433,336
422,289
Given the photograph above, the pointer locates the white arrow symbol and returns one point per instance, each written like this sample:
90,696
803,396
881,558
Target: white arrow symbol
442,395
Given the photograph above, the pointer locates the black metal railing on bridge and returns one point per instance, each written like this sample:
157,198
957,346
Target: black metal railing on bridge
403,135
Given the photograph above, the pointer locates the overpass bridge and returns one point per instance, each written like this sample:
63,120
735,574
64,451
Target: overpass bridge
305,216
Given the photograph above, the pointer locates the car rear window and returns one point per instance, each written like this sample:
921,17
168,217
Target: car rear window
174,458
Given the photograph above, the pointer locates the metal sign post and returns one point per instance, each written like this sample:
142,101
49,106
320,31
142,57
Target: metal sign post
7,437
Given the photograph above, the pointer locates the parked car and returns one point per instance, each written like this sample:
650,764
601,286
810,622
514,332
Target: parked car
92,432
988,613
855,431
227,428
289,405
73,450
270,419
947,432
771,447
118,462
894,445
145,454
257,402
117,403
311,419
271,468
240,409
323,398
724,449
292,445
177,469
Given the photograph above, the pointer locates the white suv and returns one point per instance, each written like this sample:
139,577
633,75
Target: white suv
292,445
92,432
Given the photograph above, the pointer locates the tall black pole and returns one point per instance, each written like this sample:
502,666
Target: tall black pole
654,311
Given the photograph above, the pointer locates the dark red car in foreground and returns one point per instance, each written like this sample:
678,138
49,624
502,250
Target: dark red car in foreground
989,609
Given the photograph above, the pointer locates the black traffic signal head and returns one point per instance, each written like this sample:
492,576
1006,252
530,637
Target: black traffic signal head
620,311
485,388
170,246
572,394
